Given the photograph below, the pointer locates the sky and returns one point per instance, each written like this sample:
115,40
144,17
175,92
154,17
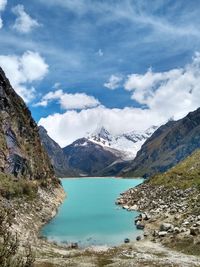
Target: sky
82,64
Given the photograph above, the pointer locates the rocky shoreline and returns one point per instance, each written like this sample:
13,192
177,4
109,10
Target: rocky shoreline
162,219
30,216
169,215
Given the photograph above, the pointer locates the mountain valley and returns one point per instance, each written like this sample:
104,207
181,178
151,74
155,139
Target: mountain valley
169,202
98,154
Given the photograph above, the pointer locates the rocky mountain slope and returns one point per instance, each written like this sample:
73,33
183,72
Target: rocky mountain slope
21,152
89,158
171,205
27,178
168,145
58,159
100,153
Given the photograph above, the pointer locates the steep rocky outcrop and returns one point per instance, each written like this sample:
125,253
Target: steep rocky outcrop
58,159
26,173
170,144
21,152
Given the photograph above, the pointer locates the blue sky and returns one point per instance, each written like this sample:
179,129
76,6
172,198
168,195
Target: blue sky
83,64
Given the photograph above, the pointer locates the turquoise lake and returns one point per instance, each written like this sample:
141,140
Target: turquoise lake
89,215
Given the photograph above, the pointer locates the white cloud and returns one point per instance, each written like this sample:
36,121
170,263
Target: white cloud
3,4
114,82
69,101
136,13
167,94
71,125
24,23
100,53
1,23
176,91
23,70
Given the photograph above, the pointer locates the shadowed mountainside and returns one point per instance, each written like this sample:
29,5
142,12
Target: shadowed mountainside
58,159
22,157
169,145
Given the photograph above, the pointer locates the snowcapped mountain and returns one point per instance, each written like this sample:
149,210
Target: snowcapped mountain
128,143
98,154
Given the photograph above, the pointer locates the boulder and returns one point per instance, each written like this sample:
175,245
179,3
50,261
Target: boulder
177,230
162,233
194,231
166,227
134,207
126,240
140,226
74,245
138,238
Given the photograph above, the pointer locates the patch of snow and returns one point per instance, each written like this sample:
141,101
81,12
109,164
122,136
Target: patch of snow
128,143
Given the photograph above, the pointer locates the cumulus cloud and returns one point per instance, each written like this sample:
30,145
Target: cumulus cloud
176,91
24,23
69,101
23,70
167,94
3,4
114,82
71,125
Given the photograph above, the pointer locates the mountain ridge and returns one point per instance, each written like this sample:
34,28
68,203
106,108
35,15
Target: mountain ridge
168,145
56,155
128,143
97,154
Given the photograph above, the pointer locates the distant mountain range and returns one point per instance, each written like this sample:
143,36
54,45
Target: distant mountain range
169,144
97,154
130,154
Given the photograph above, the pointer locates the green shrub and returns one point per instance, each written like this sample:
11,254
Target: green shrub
10,188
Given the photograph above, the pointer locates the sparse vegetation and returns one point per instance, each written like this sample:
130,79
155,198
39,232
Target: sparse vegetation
10,253
184,175
11,188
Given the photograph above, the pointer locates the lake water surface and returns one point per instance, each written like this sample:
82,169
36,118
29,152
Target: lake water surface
89,215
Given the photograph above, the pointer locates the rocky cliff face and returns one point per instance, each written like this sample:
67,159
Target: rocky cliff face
170,144
58,159
21,154
28,186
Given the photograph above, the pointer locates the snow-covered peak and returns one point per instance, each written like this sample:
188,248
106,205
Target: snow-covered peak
128,143
151,130
139,136
101,135
104,134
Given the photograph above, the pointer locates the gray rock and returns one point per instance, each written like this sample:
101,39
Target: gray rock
162,233
166,227
194,231
138,238
177,230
